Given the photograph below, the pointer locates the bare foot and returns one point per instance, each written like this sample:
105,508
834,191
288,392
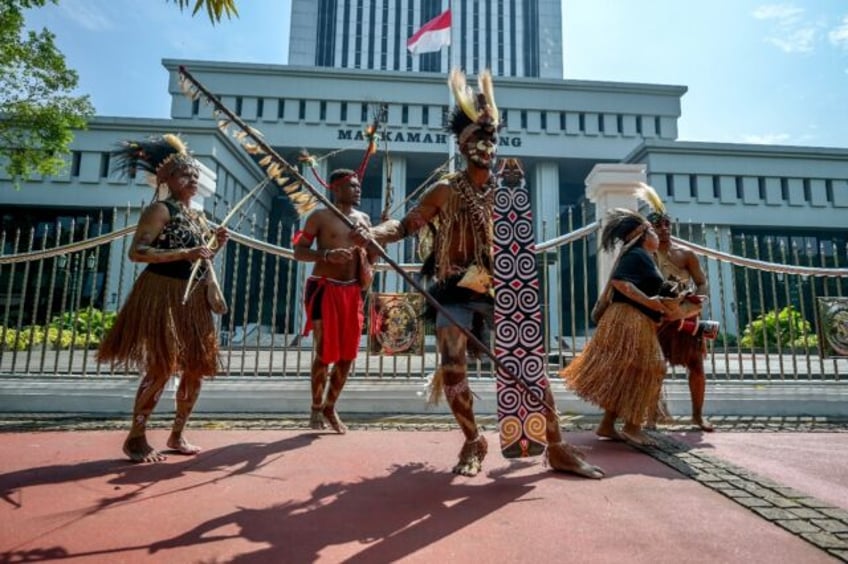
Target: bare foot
182,446
565,458
332,418
609,433
316,419
138,450
471,457
638,437
703,423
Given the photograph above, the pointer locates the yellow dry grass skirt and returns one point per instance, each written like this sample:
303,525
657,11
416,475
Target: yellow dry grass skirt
622,367
156,333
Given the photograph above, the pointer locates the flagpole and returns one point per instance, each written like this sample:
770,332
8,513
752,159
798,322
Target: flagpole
451,101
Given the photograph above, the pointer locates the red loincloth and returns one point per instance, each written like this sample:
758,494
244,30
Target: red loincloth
342,315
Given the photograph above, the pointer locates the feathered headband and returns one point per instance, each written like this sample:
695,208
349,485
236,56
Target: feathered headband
159,157
481,110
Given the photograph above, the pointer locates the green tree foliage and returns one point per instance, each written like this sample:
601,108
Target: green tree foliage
216,9
37,111
787,327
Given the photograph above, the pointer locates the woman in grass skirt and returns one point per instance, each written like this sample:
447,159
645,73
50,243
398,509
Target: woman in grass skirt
622,367
154,331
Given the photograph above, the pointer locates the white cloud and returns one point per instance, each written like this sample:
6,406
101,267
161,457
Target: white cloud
839,35
766,138
790,32
89,15
781,12
801,40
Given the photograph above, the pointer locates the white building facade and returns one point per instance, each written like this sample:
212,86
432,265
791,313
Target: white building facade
511,37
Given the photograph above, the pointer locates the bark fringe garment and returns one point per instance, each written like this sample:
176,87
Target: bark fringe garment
622,368
156,333
467,211
679,347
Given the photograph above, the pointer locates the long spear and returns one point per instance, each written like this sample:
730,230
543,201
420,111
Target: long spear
305,197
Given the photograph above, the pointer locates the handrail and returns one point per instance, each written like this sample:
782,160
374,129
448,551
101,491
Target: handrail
556,242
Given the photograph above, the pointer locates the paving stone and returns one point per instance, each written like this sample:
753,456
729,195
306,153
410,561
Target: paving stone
826,540
797,526
757,503
806,513
836,513
773,513
792,493
831,526
780,501
734,493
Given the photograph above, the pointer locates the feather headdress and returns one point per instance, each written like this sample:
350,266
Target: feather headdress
158,156
648,195
473,113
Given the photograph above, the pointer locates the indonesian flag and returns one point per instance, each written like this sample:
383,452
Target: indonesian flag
432,36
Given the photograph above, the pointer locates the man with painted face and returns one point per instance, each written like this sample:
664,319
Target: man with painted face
333,294
458,210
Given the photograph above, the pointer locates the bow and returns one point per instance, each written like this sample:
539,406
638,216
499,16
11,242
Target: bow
211,241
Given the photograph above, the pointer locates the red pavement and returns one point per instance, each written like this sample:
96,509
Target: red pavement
377,496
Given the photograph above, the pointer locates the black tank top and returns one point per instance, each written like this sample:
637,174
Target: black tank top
185,230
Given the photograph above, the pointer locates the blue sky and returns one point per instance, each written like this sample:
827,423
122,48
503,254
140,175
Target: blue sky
757,71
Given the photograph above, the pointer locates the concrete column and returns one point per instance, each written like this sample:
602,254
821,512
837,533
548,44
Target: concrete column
611,186
722,305
545,196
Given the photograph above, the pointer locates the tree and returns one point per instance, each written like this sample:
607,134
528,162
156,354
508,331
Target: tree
215,8
37,111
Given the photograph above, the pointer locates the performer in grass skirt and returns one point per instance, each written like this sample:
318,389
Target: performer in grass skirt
154,331
622,367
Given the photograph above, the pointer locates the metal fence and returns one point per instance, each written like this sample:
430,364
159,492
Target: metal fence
60,286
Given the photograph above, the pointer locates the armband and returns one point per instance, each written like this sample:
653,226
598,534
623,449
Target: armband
302,236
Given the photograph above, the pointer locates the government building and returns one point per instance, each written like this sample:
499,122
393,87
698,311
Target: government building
348,60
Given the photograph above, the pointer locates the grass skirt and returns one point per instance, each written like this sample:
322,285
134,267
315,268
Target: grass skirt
681,348
154,332
622,368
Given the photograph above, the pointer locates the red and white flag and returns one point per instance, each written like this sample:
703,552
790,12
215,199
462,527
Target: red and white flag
432,36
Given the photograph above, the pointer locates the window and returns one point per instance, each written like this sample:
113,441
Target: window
281,108
425,115
195,107
344,111
238,105
76,162
260,107
322,110
104,165
363,115
404,114
301,110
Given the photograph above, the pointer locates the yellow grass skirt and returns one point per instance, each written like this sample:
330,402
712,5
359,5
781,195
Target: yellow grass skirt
156,333
622,367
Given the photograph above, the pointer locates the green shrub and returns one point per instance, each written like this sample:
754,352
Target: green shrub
786,327
83,329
